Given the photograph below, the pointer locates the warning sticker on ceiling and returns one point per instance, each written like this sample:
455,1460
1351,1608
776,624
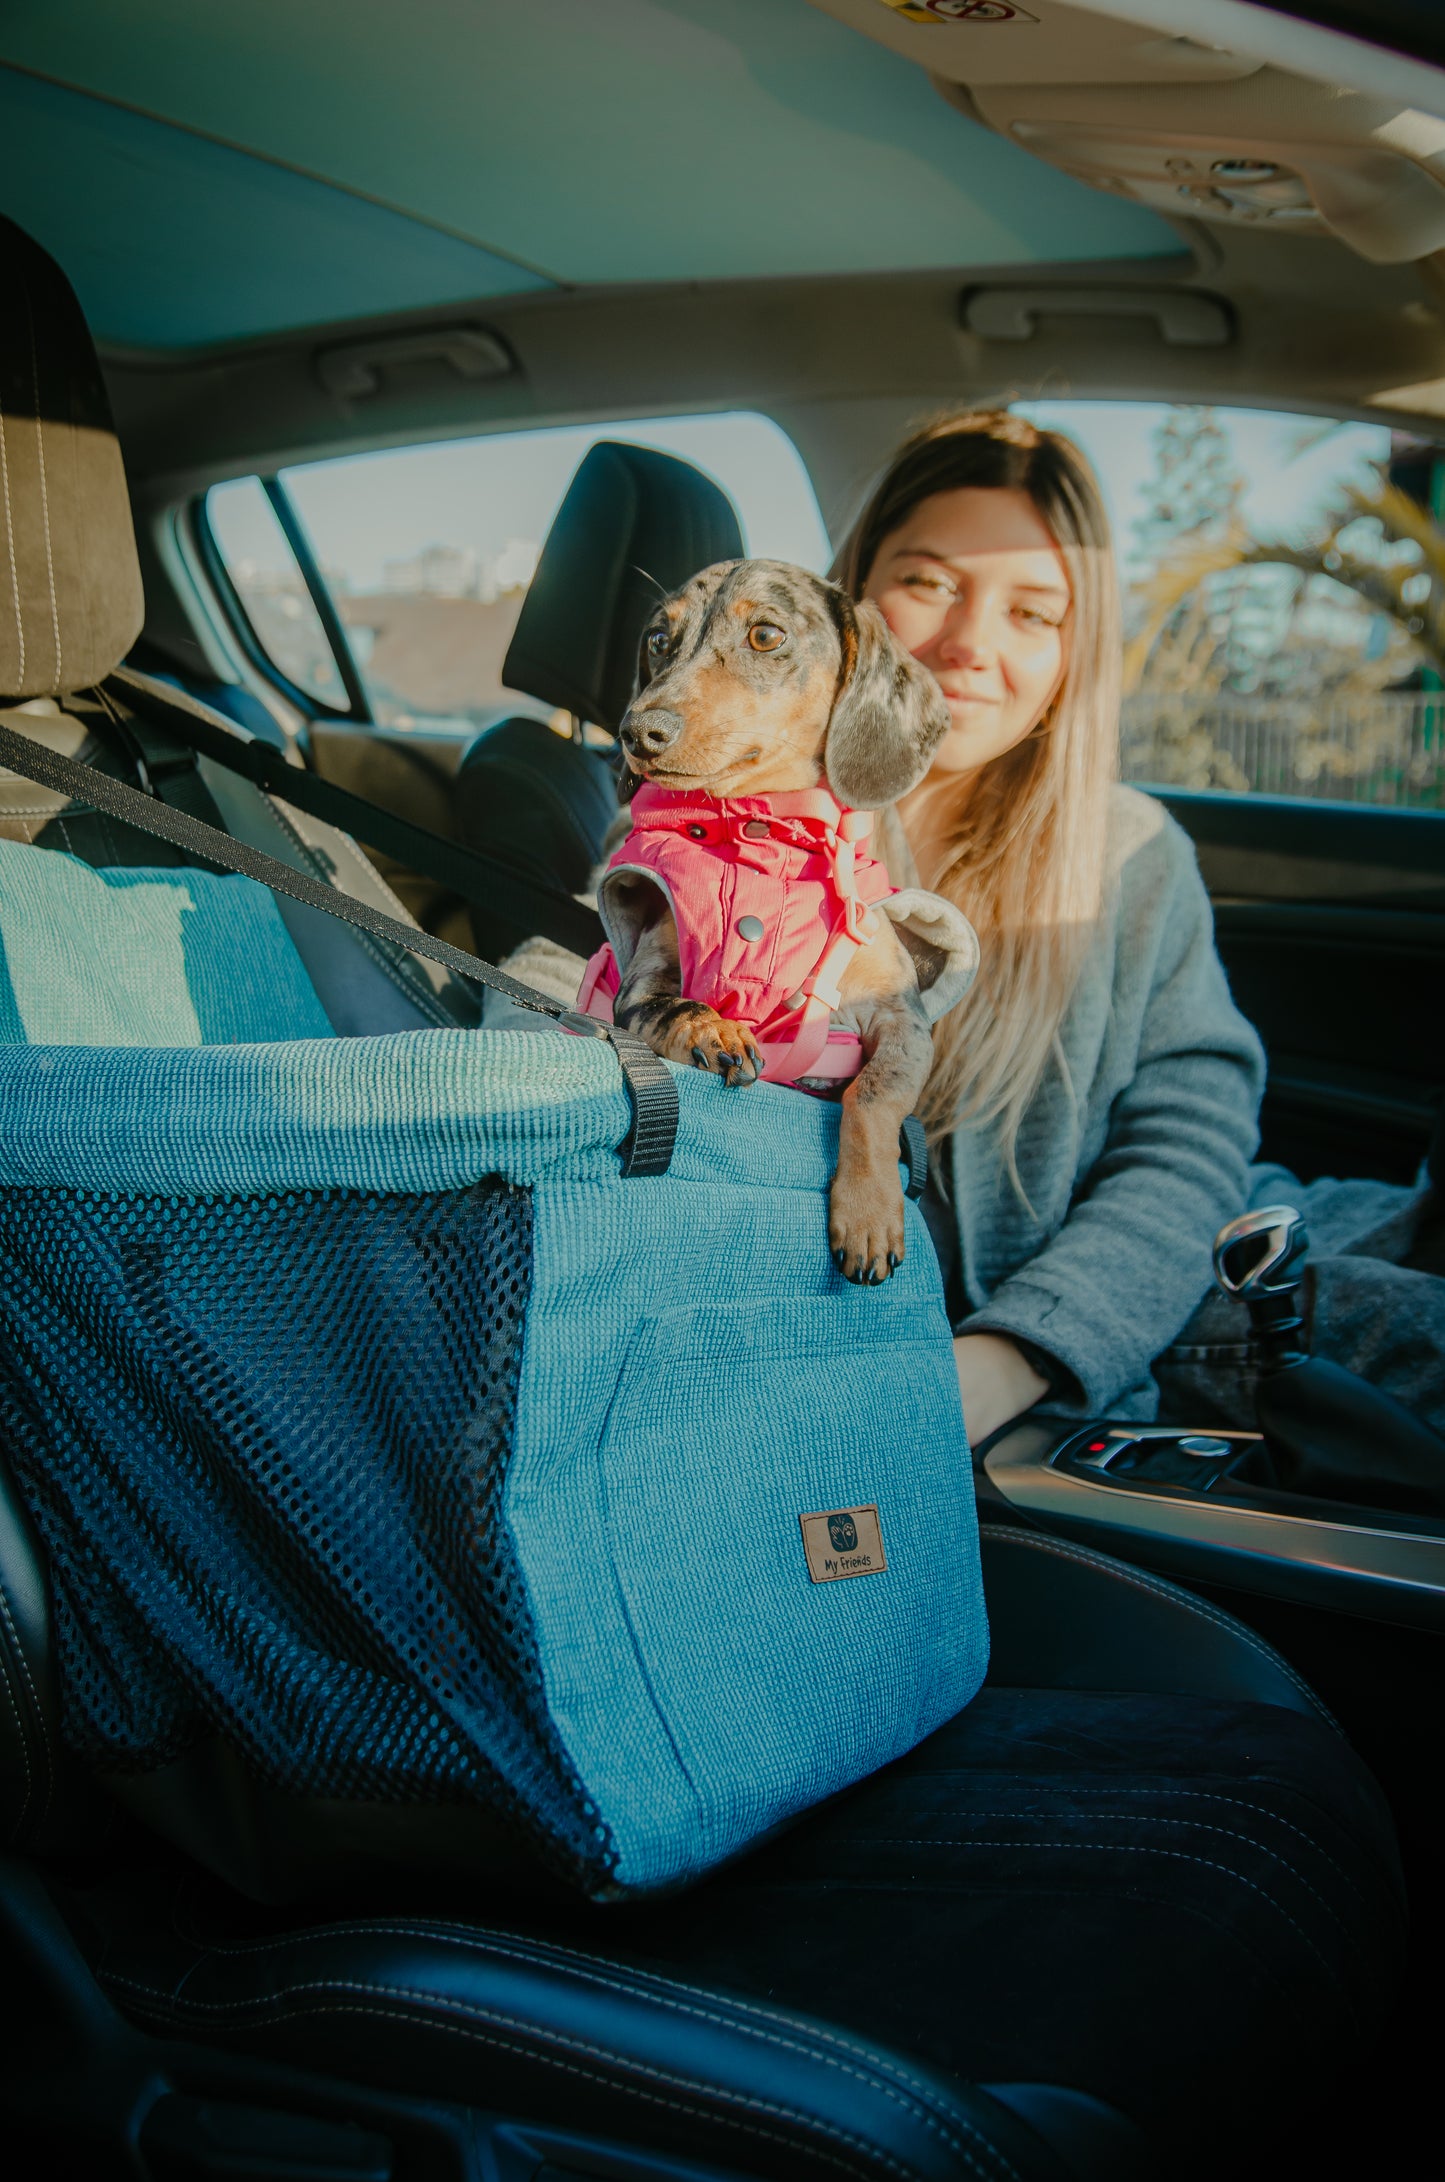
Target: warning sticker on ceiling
960,11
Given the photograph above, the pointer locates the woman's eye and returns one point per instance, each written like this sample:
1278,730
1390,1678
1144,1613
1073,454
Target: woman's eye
1035,618
766,636
922,581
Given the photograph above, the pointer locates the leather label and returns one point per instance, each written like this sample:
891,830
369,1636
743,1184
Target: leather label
843,1542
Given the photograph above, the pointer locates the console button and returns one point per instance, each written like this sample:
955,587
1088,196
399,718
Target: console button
1200,1443
1101,1453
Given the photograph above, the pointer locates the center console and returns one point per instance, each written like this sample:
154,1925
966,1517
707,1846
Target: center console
1185,1503
1337,1501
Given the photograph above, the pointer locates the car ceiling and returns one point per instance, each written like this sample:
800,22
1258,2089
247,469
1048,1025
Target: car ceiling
654,206
209,174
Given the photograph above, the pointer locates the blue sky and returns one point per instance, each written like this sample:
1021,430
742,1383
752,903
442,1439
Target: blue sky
365,510
369,509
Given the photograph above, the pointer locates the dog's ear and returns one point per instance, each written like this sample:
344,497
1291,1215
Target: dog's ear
889,715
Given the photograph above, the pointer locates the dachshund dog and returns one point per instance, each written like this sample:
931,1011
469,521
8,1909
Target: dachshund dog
757,679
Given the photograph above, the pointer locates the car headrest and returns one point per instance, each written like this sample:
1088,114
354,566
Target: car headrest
634,525
67,548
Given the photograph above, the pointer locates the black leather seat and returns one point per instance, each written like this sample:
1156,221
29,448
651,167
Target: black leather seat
633,522
541,802
1175,1903
1138,1901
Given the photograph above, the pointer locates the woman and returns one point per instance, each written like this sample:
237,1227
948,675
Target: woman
1097,1090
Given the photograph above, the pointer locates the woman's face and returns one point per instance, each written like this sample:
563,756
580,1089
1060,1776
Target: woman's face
974,586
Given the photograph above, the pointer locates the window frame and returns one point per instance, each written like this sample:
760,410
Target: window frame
357,708
1272,404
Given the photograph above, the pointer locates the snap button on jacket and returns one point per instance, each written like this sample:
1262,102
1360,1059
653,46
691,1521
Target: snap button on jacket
771,896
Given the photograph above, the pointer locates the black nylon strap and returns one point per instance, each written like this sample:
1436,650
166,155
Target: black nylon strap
913,1145
647,1147
476,879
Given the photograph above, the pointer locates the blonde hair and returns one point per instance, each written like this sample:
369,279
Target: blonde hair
1025,859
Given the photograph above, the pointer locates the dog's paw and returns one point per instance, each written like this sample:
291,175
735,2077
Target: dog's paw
697,1037
865,1228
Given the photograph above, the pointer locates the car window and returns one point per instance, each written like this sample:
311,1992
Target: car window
270,590
1284,599
427,551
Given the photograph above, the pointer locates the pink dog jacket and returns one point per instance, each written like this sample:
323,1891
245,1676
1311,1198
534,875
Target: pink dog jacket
771,897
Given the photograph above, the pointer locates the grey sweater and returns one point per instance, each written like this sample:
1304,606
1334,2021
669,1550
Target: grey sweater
1130,1176
1129,1186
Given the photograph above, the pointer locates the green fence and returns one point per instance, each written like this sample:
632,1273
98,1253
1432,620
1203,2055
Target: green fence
1385,751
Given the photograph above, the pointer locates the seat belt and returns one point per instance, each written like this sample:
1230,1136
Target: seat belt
491,884
652,1094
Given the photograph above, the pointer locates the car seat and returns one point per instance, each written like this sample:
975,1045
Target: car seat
1131,1912
634,525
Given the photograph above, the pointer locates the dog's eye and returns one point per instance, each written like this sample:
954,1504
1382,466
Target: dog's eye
657,643
766,636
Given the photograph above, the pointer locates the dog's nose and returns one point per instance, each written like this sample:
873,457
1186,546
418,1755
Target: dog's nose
650,731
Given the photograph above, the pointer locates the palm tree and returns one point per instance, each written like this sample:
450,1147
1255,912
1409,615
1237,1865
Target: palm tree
1316,715
1390,586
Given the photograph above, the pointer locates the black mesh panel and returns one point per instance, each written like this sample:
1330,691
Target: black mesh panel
264,1441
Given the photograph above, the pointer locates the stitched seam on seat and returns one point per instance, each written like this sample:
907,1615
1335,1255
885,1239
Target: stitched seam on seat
924,2103
417,991
10,543
34,1700
1233,1803
373,947
1129,1894
612,2073
84,810
414,978
1122,1848
569,2068
345,846
1175,1597
44,490
366,869
1315,1800
1150,1818
1132,1893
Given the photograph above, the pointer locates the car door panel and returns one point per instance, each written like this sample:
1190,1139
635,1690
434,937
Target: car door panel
1331,926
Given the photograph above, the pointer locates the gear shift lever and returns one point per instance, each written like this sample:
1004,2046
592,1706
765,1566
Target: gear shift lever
1257,1259
1326,1431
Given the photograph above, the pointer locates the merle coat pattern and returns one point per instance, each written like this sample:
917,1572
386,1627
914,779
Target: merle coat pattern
759,679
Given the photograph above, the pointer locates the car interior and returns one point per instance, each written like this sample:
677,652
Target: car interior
286,288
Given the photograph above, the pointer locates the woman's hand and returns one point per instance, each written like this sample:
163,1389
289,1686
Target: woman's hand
996,1380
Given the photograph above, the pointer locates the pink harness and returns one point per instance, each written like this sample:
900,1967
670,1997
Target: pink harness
771,897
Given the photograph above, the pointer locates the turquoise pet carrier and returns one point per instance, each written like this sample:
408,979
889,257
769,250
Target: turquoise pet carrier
386,1430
